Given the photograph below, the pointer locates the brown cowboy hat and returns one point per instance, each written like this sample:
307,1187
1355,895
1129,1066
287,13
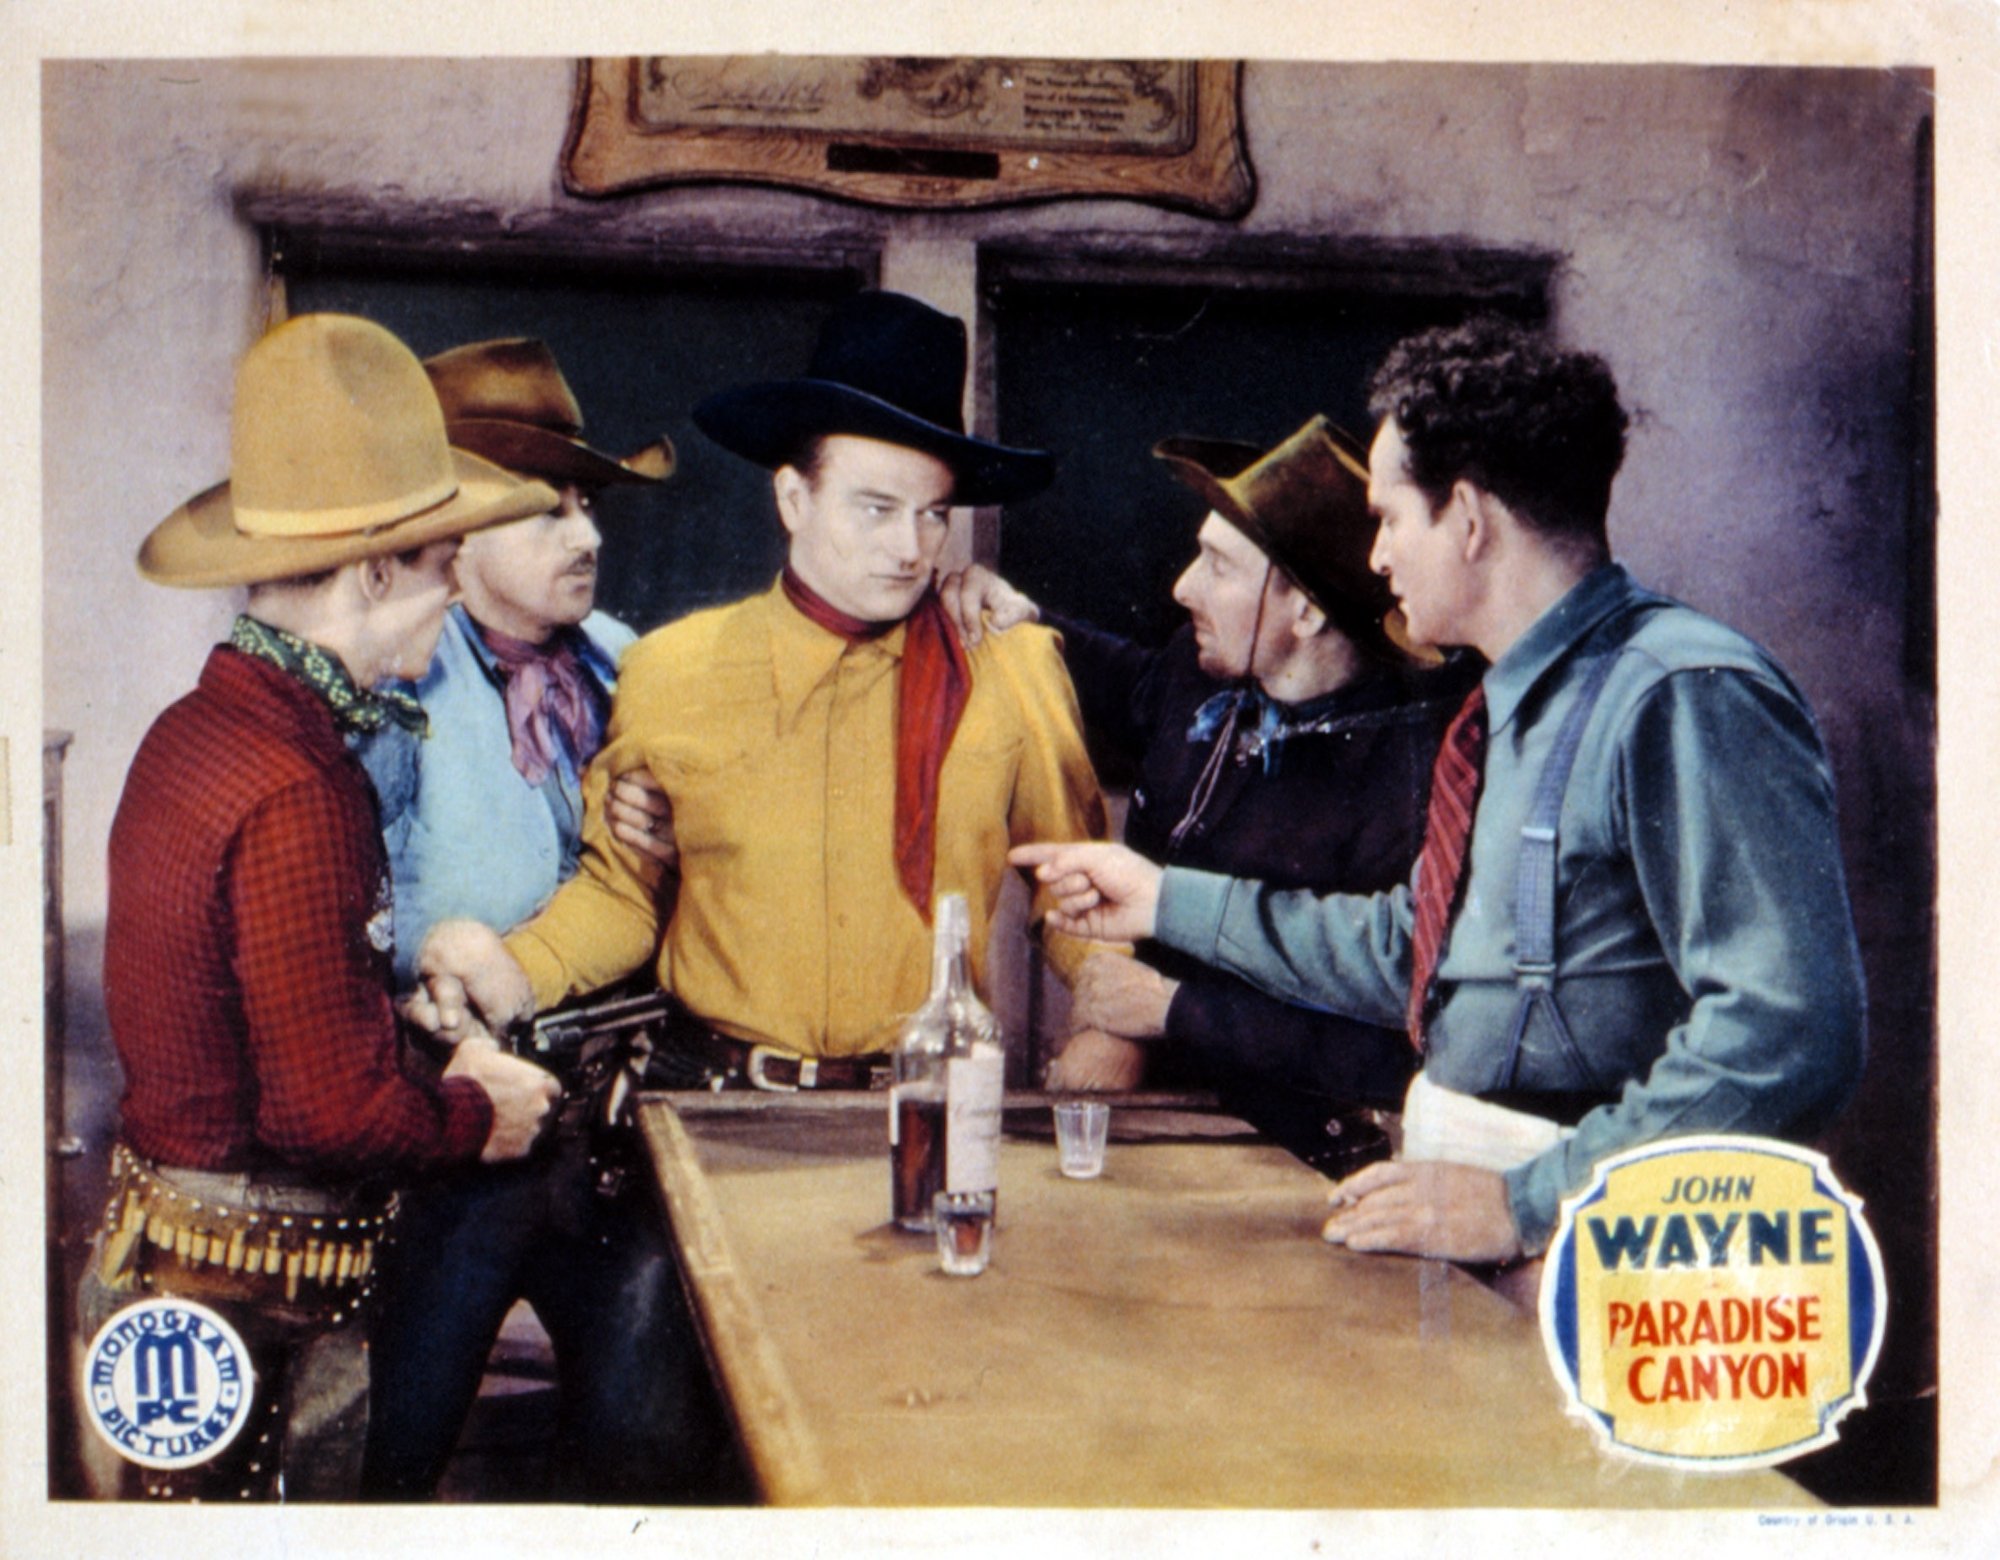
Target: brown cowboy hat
886,367
337,452
508,401
1305,504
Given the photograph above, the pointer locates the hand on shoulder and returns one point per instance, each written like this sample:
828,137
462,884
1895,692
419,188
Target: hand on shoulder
975,598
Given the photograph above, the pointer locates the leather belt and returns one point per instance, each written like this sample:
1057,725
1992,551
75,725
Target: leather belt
729,1063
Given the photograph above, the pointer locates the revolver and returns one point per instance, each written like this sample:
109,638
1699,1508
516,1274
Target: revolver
598,1051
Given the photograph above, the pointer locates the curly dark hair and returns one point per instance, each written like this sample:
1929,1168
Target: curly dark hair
1501,406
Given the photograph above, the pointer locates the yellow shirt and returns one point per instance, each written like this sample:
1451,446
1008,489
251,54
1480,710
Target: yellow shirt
775,741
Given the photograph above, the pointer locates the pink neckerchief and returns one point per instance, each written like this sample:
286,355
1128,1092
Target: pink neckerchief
551,706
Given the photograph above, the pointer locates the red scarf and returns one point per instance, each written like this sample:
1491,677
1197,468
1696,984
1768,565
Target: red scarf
936,683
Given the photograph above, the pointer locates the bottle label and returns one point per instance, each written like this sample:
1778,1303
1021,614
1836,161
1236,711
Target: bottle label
972,1120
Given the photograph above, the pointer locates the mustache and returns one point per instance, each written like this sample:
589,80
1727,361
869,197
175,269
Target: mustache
586,564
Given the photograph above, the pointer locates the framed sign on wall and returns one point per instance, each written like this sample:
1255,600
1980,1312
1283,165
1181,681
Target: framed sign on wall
915,132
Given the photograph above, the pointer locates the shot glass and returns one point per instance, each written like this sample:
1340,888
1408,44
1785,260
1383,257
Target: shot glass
1081,1127
964,1231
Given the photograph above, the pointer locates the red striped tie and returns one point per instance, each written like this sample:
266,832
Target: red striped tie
1447,832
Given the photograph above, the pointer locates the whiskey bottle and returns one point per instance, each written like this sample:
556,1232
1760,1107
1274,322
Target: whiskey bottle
944,1101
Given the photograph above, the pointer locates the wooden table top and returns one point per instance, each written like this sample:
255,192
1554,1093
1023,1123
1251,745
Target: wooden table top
1172,1334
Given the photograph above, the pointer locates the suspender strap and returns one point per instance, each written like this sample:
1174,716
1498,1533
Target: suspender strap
1535,870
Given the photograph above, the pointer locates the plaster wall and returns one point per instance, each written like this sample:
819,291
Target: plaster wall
1738,245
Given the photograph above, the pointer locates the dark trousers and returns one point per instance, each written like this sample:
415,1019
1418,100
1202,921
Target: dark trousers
1306,1097
638,1420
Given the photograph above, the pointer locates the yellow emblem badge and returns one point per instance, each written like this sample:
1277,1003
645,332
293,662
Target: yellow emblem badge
1713,1302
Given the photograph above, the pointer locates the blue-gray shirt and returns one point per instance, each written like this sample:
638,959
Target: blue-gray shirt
466,834
1707,964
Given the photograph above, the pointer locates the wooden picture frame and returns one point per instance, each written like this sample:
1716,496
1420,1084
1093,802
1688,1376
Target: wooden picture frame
928,133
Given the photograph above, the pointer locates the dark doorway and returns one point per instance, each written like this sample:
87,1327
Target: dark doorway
639,347
1100,369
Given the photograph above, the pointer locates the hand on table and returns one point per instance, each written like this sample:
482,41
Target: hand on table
1428,1208
1092,1060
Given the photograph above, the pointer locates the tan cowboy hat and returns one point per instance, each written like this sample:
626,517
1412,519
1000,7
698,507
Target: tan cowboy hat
508,401
337,452
1305,504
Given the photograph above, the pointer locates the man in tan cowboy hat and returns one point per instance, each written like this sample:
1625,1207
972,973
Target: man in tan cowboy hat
270,1104
834,756
1281,734
484,818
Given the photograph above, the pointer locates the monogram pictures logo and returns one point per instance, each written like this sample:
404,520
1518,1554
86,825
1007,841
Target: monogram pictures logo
167,1383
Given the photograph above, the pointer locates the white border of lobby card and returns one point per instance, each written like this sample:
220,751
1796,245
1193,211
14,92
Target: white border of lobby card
1955,37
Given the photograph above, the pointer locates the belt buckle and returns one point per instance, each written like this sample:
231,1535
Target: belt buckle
760,1055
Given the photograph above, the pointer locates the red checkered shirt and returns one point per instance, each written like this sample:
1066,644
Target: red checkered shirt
246,959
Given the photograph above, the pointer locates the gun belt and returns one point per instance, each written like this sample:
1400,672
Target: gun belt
323,1261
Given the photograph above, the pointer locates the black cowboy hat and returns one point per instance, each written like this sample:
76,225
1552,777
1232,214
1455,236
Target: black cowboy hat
886,367
1305,504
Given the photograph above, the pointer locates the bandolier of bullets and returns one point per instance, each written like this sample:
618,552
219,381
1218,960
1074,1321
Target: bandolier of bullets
333,1253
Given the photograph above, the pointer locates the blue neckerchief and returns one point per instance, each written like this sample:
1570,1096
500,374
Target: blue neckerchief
1213,712
1266,736
1275,724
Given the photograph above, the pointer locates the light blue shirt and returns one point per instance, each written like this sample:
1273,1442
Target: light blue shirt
1707,964
465,832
